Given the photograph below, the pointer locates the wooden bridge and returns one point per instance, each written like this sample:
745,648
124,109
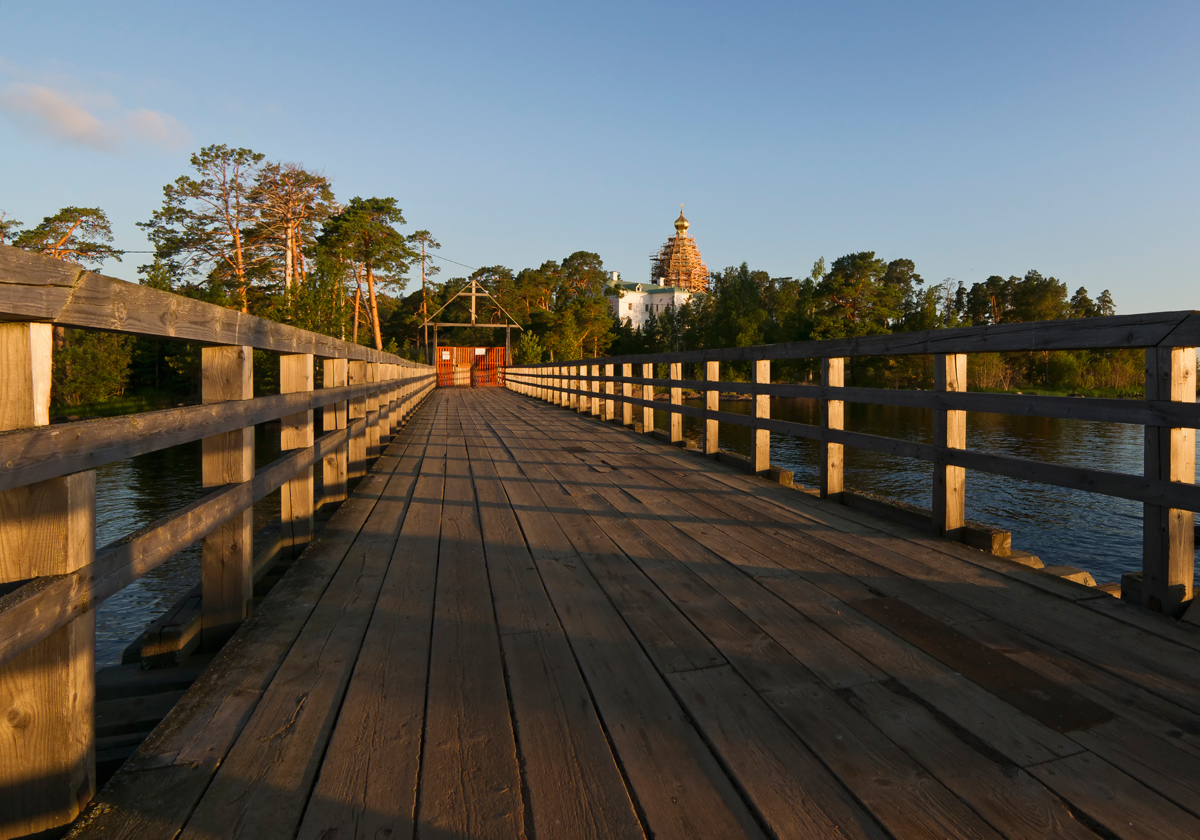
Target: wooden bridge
528,620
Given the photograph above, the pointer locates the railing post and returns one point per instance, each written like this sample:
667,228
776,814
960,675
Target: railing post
1168,535
596,401
762,411
226,577
357,410
712,403
334,418
833,416
296,432
583,403
676,401
47,714
626,393
372,409
609,403
949,432
648,396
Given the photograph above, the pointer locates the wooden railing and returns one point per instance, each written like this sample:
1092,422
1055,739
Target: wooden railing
52,577
1168,412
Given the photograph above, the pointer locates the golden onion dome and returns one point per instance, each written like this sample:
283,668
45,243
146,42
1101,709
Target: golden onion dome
681,224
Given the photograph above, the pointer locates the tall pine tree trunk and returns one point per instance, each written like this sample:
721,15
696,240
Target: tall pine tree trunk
374,307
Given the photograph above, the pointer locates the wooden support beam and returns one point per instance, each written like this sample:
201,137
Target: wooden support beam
597,409
833,416
47,729
227,373
676,400
357,410
609,403
949,431
372,415
712,402
296,432
626,393
762,411
1168,534
648,396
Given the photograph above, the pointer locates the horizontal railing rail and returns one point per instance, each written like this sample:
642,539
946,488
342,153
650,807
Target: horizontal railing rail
52,578
609,388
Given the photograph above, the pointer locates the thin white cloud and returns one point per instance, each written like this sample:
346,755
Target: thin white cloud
94,123
51,113
156,128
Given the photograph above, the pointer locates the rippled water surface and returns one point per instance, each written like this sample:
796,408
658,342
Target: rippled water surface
132,494
1099,533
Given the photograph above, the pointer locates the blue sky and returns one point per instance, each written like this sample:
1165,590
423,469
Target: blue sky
974,138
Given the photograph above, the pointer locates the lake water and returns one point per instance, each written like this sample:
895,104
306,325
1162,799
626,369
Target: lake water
130,495
1097,533
1101,534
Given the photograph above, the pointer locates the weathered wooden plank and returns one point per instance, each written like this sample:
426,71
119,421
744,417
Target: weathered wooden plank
469,774
264,782
678,785
19,267
1123,806
368,778
100,302
1006,796
574,786
792,791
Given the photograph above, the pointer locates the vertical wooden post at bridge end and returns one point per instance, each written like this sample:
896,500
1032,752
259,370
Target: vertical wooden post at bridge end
949,432
1168,534
227,373
597,403
833,416
762,411
47,693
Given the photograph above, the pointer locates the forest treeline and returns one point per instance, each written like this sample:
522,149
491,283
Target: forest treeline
566,311
272,240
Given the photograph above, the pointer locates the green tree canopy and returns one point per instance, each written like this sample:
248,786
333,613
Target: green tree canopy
364,236
77,234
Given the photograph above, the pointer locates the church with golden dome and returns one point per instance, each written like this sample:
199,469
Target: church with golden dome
676,273
678,263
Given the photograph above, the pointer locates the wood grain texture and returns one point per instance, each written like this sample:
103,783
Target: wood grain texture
334,465
1168,534
174,767
833,416
25,368
368,778
949,431
47,737
297,432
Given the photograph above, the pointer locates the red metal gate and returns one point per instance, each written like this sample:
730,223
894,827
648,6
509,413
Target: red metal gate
470,367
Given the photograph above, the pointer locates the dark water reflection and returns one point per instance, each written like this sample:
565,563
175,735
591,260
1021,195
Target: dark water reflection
1098,533
130,495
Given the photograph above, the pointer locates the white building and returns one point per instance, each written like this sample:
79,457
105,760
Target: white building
679,263
637,300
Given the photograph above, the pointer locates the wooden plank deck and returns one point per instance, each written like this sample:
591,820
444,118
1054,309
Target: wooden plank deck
526,623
